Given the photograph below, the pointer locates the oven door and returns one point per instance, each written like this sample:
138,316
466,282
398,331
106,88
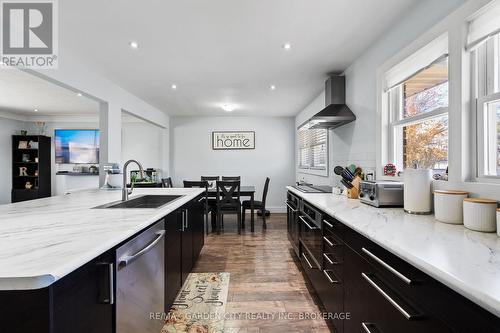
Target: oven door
310,233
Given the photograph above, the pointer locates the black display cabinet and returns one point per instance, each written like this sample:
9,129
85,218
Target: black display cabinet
30,167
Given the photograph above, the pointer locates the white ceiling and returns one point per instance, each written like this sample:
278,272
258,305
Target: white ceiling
224,51
21,93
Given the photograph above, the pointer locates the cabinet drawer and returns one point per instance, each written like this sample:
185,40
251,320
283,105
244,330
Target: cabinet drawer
376,305
331,293
460,314
333,226
391,267
332,263
293,200
332,244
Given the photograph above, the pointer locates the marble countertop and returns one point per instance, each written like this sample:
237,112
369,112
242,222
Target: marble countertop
43,240
464,260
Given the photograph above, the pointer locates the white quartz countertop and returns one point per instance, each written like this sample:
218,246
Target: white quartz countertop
43,240
464,260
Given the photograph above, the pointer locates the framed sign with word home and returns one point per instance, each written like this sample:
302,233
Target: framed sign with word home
227,140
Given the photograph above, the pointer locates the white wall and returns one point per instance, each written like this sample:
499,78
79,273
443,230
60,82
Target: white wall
192,155
356,142
8,127
144,142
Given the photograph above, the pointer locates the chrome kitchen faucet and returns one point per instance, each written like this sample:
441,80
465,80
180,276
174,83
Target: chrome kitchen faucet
125,191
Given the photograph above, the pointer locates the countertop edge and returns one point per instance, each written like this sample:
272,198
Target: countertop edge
479,297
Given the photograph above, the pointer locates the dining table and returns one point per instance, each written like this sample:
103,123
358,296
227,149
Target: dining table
245,191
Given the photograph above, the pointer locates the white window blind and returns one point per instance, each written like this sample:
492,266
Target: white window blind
312,148
304,151
418,61
484,24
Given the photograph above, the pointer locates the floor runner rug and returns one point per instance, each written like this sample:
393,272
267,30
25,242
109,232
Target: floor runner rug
200,305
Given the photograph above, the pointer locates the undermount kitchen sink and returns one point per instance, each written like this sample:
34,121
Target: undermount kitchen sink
143,201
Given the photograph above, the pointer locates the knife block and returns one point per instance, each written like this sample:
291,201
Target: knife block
353,193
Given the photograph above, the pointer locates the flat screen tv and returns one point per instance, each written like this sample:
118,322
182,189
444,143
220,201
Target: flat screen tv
77,146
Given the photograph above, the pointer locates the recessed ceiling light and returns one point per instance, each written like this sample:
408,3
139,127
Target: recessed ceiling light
287,46
272,87
36,110
133,44
174,86
228,107
79,94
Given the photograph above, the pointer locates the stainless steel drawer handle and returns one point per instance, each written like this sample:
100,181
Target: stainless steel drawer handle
111,272
307,224
398,307
291,208
127,260
307,260
332,262
107,296
387,266
327,274
330,242
370,328
328,223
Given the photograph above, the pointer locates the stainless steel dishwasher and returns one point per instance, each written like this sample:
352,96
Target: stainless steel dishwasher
140,282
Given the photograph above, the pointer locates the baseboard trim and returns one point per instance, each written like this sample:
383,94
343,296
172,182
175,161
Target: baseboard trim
277,209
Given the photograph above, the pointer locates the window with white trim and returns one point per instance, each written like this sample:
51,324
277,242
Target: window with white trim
483,42
313,148
417,109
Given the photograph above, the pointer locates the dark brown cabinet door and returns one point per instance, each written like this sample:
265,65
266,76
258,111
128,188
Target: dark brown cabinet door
172,257
196,218
83,300
187,244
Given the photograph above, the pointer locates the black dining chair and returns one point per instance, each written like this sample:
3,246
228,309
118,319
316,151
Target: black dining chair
228,202
212,202
257,205
231,178
167,182
206,207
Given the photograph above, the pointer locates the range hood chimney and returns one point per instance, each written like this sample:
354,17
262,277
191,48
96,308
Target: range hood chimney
336,113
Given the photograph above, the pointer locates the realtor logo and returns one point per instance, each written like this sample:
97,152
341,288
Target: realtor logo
29,34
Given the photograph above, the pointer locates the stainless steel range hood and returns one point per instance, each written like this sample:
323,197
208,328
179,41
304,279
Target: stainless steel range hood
336,113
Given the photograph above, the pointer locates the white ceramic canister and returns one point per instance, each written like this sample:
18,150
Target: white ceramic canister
448,206
417,191
480,214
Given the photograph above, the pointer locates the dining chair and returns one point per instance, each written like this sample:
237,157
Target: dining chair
257,205
231,178
211,185
206,207
228,201
167,182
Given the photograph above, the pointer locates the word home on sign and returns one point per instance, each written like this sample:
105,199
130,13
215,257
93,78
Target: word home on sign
233,140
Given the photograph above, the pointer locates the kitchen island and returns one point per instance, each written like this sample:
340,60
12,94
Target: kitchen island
434,257
53,249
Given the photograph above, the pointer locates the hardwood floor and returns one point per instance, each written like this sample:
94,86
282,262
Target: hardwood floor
265,279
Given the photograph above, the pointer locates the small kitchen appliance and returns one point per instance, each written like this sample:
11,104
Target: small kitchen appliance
381,193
